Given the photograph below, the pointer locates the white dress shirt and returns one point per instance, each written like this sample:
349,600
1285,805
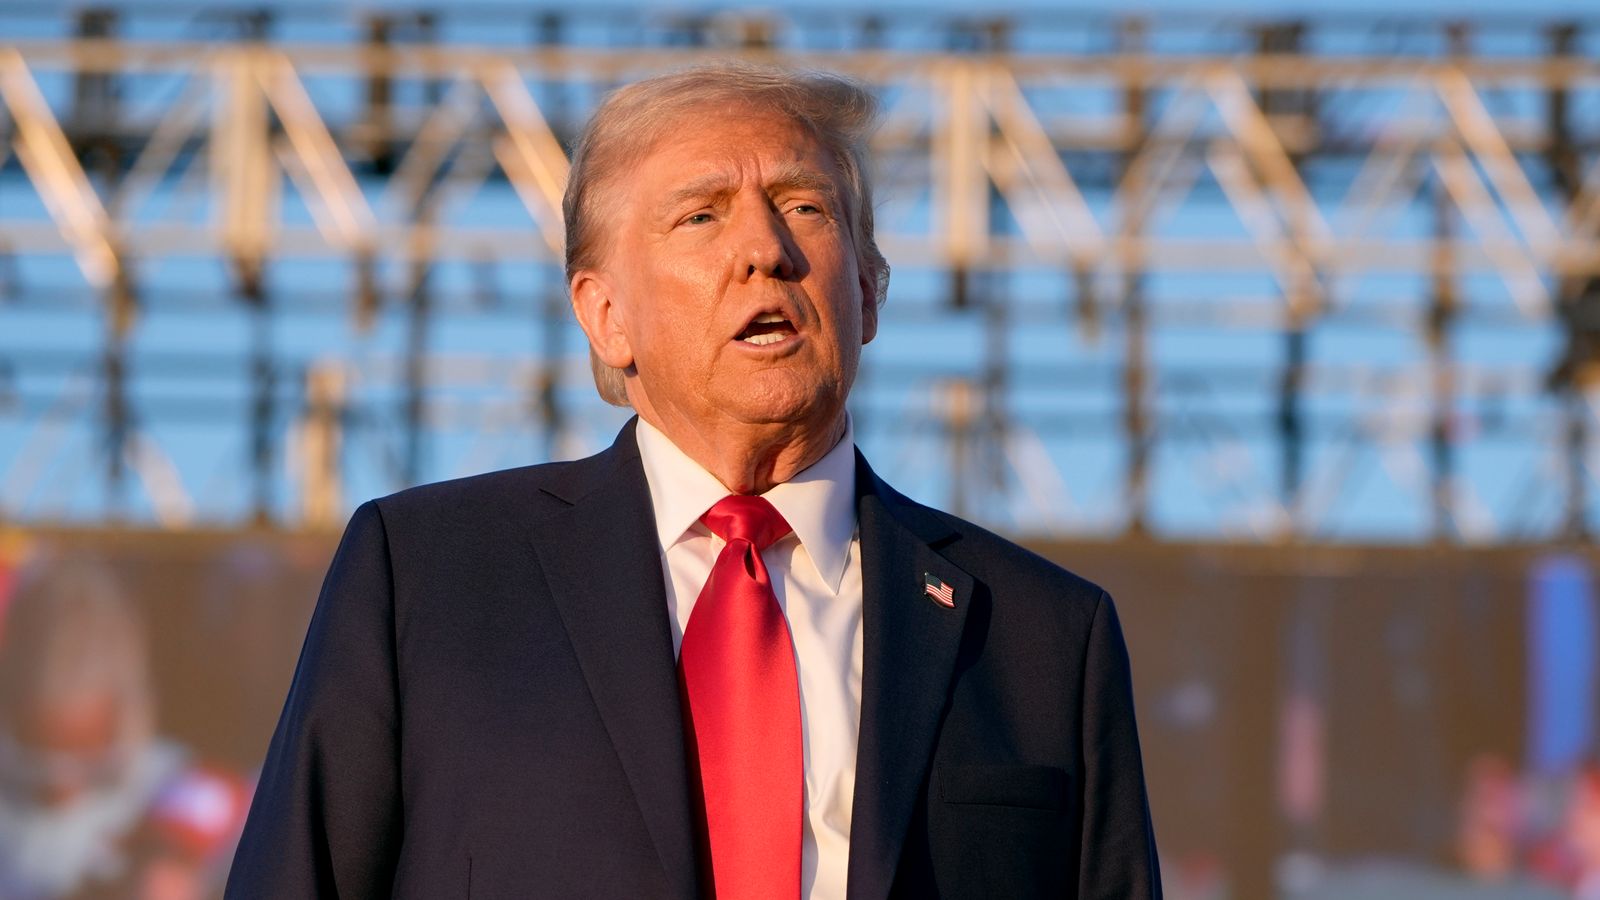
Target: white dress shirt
816,575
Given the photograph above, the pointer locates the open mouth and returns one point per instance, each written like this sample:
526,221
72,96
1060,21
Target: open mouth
767,328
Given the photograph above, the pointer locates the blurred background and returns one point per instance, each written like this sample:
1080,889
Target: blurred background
1284,327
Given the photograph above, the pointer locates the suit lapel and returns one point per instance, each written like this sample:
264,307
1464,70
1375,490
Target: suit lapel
601,559
909,652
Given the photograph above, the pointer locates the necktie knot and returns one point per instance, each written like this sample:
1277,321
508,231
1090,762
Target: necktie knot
747,518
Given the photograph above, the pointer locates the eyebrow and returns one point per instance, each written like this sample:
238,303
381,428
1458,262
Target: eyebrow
789,177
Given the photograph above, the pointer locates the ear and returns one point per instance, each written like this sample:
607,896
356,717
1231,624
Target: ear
869,306
594,305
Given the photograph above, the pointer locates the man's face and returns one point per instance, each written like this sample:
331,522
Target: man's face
731,284
64,749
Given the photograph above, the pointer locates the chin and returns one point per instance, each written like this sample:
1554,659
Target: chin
779,398
792,410
769,416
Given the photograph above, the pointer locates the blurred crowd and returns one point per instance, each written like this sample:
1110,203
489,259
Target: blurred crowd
1518,827
99,801
94,801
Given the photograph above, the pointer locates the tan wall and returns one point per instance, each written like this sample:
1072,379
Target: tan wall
1325,698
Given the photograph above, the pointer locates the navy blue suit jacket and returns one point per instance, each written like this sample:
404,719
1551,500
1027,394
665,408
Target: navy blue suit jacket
486,706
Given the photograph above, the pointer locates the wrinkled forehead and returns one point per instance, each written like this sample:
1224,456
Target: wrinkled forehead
711,114
709,118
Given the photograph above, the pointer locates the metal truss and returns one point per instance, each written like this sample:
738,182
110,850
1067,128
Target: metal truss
1109,199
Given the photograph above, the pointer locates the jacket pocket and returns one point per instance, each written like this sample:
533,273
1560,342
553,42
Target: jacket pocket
1002,831
1029,787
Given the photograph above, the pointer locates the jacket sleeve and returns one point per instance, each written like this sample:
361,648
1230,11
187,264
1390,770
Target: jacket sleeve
326,818
1119,844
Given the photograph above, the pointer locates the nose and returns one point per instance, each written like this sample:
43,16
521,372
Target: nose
765,245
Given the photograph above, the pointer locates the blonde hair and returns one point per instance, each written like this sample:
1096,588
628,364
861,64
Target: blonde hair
71,633
839,113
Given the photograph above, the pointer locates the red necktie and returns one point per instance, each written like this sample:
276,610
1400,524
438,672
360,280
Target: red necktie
741,711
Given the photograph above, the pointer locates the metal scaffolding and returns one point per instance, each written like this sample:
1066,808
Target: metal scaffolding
1108,182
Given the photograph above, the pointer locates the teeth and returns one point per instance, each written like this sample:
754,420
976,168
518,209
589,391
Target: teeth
769,318
763,339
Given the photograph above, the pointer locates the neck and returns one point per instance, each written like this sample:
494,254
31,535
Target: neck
752,459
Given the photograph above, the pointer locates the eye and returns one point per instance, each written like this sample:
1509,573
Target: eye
699,218
806,209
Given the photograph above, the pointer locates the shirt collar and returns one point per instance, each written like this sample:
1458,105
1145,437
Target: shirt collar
818,503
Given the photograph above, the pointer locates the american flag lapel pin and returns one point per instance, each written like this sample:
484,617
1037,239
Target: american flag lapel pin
941,593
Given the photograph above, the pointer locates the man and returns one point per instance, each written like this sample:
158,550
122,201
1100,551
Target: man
93,803
721,657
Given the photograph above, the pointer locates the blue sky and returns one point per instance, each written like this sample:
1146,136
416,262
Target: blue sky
1190,494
